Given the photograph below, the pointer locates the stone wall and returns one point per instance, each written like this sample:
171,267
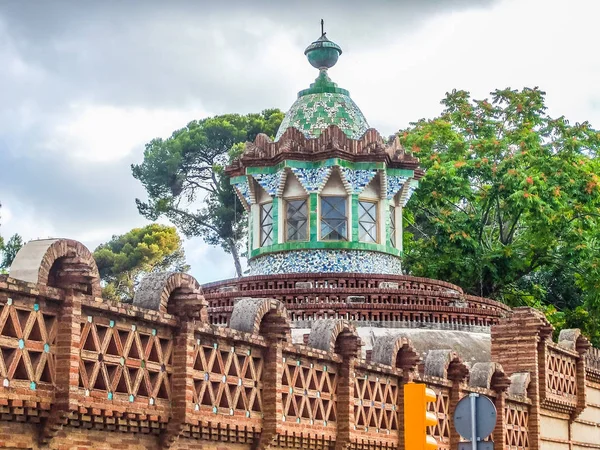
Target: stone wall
77,371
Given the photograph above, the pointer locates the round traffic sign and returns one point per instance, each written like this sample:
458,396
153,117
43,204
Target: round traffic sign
485,417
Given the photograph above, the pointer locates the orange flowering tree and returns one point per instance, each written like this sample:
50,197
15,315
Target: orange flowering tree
509,205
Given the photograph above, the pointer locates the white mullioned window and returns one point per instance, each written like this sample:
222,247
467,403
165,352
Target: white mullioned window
367,221
297,220
266,224
334,218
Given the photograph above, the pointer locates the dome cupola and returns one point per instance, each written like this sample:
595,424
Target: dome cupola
324,103
326,195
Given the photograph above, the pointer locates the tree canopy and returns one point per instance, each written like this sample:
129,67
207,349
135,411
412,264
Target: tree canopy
509,205
8,250
183,176
124,259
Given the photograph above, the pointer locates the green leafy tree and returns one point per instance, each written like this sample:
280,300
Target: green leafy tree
508,207
183,176
8,251
124,259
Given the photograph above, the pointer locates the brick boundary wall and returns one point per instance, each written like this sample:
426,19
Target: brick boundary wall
78,371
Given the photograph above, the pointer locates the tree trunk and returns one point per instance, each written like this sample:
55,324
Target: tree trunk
236,257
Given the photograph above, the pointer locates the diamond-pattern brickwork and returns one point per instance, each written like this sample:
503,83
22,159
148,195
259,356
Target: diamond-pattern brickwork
27,337
227,378
121,359
561,376
441,408
309,391
516,419
375,403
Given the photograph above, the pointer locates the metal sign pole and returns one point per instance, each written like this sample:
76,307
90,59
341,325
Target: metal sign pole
473,398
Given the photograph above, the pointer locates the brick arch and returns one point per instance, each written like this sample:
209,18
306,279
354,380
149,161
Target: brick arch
173,292
489,375
62,263
264,316
445,364
395,351
335,335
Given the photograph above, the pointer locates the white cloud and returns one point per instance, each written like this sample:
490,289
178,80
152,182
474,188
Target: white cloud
96,133
515,44
81,99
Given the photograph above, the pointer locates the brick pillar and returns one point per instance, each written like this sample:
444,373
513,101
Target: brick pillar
408,375
345,403
272,424
517,342
182,383
456,393
348,346
499,434
67,366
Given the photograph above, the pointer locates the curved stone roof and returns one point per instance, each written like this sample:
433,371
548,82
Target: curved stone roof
471,347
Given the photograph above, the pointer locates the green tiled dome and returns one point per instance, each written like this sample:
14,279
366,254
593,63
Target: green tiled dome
322,105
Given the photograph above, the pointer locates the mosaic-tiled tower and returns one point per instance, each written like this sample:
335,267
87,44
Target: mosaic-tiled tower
327,194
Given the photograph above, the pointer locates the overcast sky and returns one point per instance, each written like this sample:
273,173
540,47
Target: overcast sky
85,84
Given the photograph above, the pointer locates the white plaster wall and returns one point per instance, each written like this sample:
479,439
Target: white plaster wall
372,191
293,188
586,428
334,185
255,223
260,195
554,428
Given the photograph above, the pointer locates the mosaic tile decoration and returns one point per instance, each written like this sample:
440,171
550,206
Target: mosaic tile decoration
357,179
270,182
312,179
410,191
394,184
243,190
312,113
325,260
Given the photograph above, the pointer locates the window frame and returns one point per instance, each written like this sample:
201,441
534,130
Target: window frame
393,231
260,224
348,237
376,223
285,220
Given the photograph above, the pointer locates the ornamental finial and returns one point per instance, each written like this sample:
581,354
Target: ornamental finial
323,53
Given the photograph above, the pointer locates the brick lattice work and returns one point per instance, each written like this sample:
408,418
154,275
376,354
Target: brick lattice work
125,360
309,391
376,403
516,419
227,378
81,372
441,408
561,376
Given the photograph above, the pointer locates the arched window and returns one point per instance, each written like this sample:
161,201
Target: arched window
333,210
